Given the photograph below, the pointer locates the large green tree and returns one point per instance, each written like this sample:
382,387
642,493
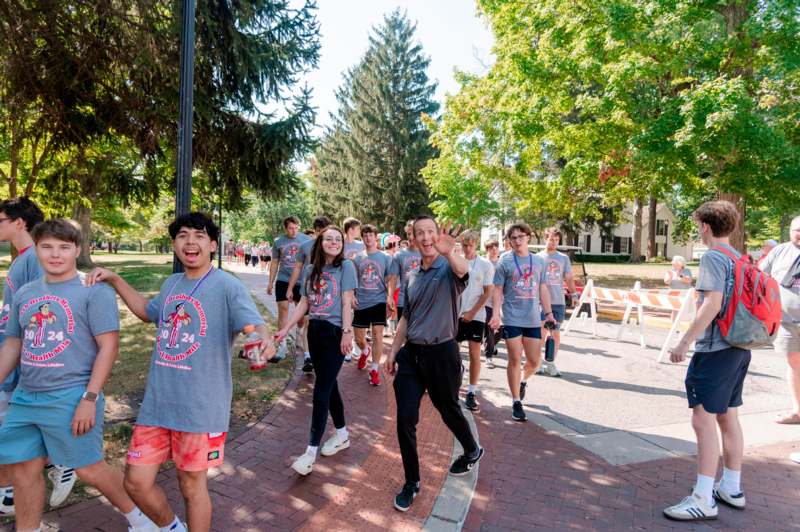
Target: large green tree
592,104
87,73
369,161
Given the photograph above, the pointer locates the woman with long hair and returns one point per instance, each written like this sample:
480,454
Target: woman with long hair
327,289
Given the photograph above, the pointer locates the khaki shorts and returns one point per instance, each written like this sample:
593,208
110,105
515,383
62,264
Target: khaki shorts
788,339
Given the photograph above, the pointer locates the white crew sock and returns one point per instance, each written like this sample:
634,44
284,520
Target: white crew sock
705,488
472,388
731,481
137,519
374,366
312,450
174,526
342,433
356,349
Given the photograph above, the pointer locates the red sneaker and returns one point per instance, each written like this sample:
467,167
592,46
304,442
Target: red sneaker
374,377
362,360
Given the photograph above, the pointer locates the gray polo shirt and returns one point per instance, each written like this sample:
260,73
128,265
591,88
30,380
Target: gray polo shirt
431,306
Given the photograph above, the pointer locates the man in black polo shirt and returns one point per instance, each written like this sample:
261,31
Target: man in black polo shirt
430,359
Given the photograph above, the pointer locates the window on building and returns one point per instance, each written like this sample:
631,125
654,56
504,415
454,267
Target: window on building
661,227
624,246
587,243
608,245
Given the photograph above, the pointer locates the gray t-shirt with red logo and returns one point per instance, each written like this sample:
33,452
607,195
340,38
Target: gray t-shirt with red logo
189,386
556,266
57,323
24,269
374,271
520,278
325,300
285,251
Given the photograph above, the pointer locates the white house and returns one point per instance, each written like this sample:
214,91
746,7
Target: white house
622,236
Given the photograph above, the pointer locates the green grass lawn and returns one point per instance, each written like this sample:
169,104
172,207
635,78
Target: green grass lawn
625,275
253,392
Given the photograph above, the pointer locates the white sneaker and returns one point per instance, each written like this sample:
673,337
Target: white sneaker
795,457
348,358
335,444
63,478
692,508
304,464
147,528
552,370
6,510
734,501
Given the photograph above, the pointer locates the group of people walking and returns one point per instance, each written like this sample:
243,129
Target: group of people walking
61,336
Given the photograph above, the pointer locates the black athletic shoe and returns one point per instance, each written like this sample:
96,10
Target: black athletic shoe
471,403
463,464
308,366
517,412
522,386
403,500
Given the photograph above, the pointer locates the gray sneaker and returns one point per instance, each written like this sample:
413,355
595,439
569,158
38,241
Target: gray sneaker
552,370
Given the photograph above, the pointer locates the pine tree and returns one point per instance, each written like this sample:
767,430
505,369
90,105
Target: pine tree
369,161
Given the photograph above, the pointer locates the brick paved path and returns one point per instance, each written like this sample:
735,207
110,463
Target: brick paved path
532,480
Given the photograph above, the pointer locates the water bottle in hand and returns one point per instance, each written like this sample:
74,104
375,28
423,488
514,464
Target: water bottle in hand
252,348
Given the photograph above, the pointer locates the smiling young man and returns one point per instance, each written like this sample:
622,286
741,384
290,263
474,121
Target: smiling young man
65,336
425,355
284,258
18,216
472,322
377,278
558,269
520,289
187,401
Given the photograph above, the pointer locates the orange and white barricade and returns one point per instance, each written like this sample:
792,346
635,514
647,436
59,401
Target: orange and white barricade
679,301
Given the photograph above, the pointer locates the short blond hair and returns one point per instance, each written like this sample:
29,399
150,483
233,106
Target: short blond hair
469,236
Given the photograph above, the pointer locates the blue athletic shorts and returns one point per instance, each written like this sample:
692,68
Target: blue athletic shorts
509,331
559,313
38,425
715,379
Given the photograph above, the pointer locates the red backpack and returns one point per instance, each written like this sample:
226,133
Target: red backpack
753,312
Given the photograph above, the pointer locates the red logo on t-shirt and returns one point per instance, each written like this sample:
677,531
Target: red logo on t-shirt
44,335
324,293
183,326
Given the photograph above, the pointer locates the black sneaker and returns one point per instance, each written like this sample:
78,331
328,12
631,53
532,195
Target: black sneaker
308,366
463,464
522,386
403,500
517,412
471,403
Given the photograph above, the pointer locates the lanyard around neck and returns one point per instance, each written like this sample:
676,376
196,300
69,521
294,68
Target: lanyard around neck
172,289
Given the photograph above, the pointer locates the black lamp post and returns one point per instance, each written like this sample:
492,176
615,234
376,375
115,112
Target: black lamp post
183,192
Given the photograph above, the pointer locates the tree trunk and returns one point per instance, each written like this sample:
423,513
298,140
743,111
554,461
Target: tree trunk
652,251
783,230
141,247
638,211
83,215
738,236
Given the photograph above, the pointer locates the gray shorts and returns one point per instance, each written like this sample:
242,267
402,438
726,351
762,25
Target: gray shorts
788,339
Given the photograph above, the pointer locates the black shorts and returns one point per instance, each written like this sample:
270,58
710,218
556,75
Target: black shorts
264,258
715,379
280,291
374,315
470,330
247,257
512,331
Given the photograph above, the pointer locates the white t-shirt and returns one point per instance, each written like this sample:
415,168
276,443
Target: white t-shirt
481,275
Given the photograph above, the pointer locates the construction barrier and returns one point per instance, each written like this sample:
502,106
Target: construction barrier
679,301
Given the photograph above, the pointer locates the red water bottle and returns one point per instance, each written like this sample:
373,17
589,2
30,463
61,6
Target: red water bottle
252,348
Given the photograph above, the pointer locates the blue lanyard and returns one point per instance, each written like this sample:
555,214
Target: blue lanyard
196,286
530,266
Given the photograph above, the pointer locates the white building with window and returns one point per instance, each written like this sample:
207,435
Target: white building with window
621,240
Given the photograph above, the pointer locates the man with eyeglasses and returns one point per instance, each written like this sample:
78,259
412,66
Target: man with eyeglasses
520,287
